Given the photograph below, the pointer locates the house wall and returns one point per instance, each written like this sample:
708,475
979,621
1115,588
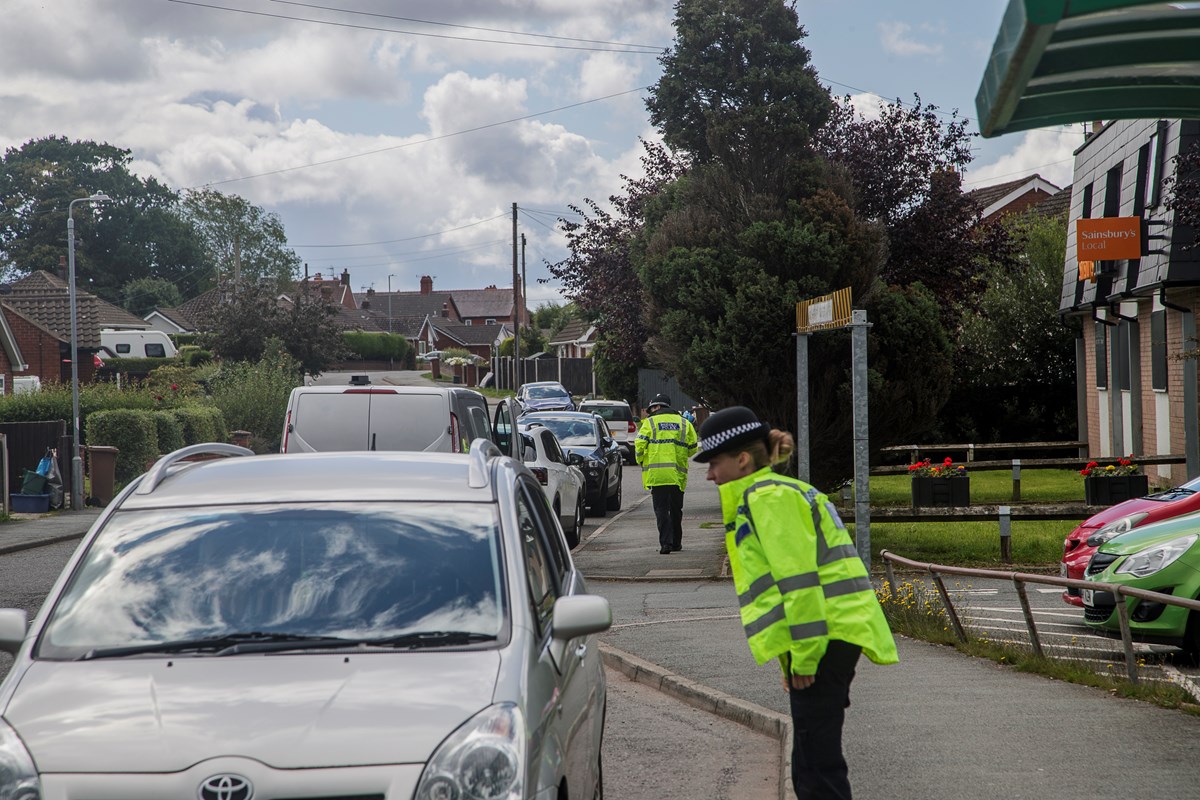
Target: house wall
1019,205
44,353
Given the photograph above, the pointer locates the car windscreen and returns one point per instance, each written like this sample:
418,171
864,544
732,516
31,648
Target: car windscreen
609,413
545,392
572,432
361,570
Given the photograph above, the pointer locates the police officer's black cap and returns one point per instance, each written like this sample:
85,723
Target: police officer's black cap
659,400
729,429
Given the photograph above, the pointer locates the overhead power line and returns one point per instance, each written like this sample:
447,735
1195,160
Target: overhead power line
653,47
406,239
426,140
378,29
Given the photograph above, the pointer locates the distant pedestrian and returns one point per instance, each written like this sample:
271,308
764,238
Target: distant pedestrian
665,442
805,595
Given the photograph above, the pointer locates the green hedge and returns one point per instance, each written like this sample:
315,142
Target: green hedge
53,401
132,366
133,433
200,424
378,346
194,356
170,432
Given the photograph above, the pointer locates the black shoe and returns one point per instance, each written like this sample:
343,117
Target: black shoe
675,548
664,550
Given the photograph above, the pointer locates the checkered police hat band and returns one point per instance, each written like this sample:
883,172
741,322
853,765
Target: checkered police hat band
718,439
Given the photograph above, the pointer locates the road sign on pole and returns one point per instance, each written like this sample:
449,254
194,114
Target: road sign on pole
830,312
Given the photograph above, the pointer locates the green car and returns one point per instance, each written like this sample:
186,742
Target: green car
1161,557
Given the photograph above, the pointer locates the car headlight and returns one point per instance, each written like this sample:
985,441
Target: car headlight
482,760
1151,561
1116,528
18,775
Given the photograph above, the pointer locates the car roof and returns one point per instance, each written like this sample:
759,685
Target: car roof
603,403
359,476
544,383
558,414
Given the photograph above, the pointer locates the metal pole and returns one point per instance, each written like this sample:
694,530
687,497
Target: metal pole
803,444
862,487
1005,533
1191,431
516,319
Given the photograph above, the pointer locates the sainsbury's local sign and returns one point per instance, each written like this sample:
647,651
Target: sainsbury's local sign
1108,238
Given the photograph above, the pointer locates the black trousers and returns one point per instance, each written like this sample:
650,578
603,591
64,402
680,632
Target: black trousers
819,769
668,510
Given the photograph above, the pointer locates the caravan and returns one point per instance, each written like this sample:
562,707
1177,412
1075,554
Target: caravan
136,344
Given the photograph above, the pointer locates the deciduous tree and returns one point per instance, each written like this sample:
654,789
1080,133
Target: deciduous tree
243,241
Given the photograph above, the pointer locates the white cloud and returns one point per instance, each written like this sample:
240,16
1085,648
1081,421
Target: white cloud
868,105
1049,153
901,39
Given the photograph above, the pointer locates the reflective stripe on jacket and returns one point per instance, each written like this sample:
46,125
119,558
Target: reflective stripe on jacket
797,573
663,446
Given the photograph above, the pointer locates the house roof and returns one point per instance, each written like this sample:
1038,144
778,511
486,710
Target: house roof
469,334
489,302
415,304
44,298
339,292
1056,205
199,309
991,199
176,318
576,331
9,341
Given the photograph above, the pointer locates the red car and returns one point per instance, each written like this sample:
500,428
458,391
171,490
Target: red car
1099,528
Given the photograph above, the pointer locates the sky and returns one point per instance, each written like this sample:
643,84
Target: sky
393,138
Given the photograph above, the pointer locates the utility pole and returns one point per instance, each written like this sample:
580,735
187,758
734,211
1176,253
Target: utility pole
524,285
517,323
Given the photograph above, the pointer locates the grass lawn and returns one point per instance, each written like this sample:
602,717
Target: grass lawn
1036,544
990,487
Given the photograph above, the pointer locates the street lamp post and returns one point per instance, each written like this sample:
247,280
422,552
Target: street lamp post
390,302
76,458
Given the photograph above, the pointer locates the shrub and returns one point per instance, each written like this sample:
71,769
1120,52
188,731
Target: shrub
170,432
377,346
195,357
132,432
200,424
131,367
253,397
53,401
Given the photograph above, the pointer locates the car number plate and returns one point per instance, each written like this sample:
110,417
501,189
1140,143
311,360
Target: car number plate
1089,597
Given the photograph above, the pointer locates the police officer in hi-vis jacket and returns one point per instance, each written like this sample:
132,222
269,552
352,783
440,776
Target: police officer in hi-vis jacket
665,442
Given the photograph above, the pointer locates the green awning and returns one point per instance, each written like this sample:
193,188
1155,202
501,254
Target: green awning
1061,61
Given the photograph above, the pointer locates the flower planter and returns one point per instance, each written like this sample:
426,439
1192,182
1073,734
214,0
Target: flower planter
941,491
1101,491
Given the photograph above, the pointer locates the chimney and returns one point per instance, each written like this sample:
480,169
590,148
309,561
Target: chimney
1096,126
445,309
317,277
345,277
371,292
427,285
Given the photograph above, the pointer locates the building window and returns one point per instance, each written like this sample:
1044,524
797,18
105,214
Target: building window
1101,355
1158,350
1152,190
1139,189
1124,382
490,321
467,322
1086,212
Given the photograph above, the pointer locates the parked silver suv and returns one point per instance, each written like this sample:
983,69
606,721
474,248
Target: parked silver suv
387,625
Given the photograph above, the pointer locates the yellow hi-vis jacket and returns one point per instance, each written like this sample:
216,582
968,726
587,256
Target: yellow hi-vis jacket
664,443
799,579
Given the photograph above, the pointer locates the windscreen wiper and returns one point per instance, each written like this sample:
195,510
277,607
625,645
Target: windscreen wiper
431,639
224,644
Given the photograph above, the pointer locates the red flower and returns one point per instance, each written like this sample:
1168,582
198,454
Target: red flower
1086,471
174,387
948,461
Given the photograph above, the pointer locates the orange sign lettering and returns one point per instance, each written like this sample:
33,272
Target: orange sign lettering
1108,238
1087,270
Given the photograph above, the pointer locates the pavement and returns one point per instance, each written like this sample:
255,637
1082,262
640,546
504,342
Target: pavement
937,726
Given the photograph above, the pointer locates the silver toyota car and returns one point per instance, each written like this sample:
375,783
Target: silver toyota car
327,625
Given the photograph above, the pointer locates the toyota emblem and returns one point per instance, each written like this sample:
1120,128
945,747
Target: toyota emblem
226,787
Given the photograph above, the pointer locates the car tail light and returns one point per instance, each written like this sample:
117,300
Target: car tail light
543,475
632,427
454,448
287,428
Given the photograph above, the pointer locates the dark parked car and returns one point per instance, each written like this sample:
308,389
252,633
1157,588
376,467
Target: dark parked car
586,439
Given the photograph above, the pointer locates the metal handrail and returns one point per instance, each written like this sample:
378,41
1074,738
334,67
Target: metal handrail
1019,579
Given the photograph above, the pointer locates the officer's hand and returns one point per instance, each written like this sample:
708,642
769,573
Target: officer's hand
799,681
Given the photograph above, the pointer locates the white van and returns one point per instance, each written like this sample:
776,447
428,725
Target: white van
365,417
136,344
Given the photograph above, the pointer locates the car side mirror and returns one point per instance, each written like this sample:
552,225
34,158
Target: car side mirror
575,458
580,615
607,442
12,629
530,454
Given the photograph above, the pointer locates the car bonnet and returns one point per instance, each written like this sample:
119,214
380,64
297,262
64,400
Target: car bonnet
287,711
1153,534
